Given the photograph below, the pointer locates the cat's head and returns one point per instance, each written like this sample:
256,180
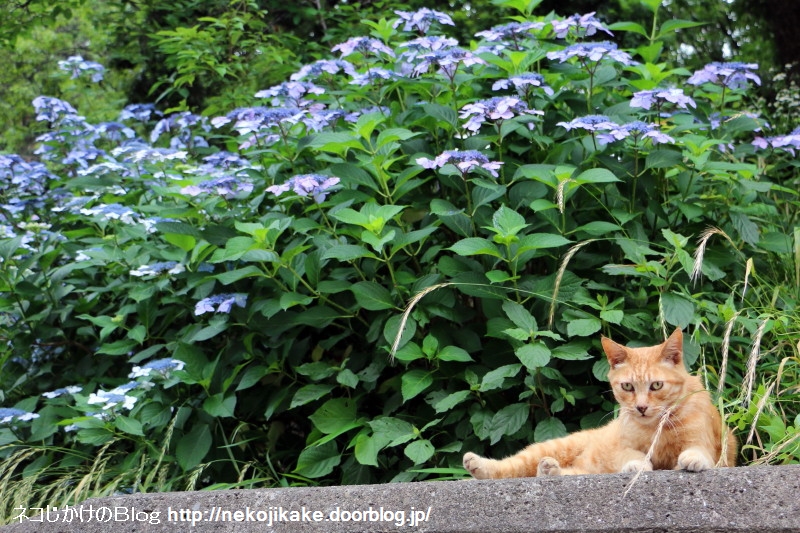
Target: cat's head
647,381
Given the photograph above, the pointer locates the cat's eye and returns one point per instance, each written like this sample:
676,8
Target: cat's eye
656,385
627,387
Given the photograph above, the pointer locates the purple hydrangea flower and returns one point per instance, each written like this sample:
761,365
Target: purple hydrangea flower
513,31
79,66
635,130
646,99
592,52
495,110
584,26
788,142
373,75
314,185
365,45
447,60
465,161
523,83
290,93
731,75
589,123
180,126
220,303
421,20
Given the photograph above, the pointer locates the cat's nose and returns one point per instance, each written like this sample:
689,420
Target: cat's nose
641,408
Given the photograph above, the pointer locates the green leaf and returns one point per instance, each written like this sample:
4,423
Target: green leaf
347,252
507,222
310,393
583,327
534,355
454,353
451,400
520,316
335,415
494,378
419,451
663,158
193,447
572,351
598,228
549,428
395,430
536,241
220,406
338,143
415,382
672,25
746,228
629,27
508,421
613,316
372,296
129,425
678,310
475,246
366,449
596,175
318,461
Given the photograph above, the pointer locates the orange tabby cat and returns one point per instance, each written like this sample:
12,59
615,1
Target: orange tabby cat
651,385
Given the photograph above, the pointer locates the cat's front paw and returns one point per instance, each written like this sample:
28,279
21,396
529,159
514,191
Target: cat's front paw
548,467
477,466
694,461
637,465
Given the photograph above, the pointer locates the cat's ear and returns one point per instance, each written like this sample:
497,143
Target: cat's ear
673,347
615,353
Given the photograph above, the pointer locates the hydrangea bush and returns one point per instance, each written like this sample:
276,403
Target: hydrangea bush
404,252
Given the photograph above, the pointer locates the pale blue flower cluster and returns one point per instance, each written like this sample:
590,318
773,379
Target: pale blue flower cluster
581,25
593,52
733,75
494,110
524,84
220,303
421,20
315,185
465,161
78,67
657,97
157,269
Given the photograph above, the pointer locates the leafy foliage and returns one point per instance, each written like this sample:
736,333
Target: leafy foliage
394,257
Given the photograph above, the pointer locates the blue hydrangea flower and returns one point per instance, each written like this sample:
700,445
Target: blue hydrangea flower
583,26
220,303
112,212
589,123
314,185
373,76
78,66
592,52
156,269
465,161
731,75
523,83
364,45
226,186
74,389
494,110
163,367
10,414
53,110
139,112
112,399
635,130
421,20
323,66
180,126
646,99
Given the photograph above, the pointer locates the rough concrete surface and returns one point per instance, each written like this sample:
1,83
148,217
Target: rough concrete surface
762,499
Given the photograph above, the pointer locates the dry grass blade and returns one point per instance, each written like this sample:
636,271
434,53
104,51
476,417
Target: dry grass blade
410,307
726,345
562,268
651,450
762,403
747,271
755,354
702,242
560,194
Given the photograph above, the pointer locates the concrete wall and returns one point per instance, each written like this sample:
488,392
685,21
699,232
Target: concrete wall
758,499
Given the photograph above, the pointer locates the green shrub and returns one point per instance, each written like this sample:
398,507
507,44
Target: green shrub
396,257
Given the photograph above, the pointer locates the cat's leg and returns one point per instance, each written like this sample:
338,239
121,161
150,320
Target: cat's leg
523,464
695,459
548,467
630,460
